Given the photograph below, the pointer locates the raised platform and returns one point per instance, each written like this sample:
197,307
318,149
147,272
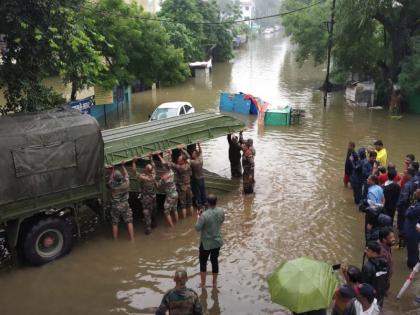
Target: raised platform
125,143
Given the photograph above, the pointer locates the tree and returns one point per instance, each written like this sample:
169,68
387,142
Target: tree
400,22
218,37
307,29
107,42
201,29
35,32
134,47
186,13
81,61
372,38
410,72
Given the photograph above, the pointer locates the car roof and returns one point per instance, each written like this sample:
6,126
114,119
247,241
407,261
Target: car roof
173,104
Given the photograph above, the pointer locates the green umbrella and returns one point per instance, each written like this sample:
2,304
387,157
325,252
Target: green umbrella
303,285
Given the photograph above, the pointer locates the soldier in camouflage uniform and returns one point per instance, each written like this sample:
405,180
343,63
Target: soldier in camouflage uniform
180,300
119,185
167,181
183,170
148,192
248,165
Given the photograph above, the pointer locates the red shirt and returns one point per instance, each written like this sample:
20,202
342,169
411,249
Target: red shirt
384,177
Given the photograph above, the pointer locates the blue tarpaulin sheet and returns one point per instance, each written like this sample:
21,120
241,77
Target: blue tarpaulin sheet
237,103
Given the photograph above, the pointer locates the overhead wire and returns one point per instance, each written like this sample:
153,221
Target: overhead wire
223,22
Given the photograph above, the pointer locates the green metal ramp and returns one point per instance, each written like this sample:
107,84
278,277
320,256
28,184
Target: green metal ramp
125,143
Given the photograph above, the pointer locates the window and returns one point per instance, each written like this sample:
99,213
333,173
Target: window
182,111
187,108
161,113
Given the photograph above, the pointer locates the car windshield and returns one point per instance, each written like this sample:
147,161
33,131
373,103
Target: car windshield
161,113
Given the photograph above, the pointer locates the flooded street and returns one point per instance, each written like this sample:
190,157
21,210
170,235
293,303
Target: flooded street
300,206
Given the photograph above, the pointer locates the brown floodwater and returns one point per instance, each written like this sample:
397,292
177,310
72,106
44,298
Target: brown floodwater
300,207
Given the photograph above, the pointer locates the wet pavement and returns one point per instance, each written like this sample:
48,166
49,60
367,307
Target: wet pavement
300,206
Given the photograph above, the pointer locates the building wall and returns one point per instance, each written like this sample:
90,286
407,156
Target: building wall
248,9
151,6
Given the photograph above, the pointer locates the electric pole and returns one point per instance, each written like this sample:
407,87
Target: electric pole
330,27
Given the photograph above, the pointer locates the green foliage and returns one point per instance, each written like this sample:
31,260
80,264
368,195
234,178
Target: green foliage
410,74
35,33
307,29
371,38
80,60
135,47
183,38
357,47
193,36
106,42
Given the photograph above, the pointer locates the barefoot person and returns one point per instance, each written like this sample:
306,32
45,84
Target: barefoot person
197,179
183,170
209,224
119,184
148,190
167,181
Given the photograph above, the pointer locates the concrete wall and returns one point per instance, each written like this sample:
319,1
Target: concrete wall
57,84
151,6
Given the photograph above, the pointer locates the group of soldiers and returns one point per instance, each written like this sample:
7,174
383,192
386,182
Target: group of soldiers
178,180
236,145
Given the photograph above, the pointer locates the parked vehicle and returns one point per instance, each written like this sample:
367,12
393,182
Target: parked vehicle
172,109
52,166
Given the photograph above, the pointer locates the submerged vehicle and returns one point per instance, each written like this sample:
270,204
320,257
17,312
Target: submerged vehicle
172,109
53,167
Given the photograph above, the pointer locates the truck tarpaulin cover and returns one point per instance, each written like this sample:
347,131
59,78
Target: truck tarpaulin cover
47,152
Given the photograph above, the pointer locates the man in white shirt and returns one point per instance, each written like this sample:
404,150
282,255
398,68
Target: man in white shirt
365,302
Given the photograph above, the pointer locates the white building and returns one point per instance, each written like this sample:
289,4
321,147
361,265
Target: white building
152,6
248,10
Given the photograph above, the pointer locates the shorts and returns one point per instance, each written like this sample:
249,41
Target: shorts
121,210
171,203
185,197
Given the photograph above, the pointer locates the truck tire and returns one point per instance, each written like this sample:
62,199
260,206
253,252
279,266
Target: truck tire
47,240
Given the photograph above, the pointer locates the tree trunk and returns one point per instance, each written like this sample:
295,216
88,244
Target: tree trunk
400,50
73,91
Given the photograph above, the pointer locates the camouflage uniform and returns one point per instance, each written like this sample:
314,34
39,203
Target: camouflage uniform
148,201
119,201
248,175
171,199
180,302
184,185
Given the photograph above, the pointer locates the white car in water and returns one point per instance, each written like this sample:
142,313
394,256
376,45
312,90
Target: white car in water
172,109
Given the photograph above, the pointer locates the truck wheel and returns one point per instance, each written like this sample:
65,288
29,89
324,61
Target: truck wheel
47,240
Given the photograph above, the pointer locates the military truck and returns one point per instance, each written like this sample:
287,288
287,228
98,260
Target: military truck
53,163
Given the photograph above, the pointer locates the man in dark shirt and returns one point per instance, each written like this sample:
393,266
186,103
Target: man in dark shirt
197,182
391,194
412,218
235,148
386,241
356,178
368,168
180,300
404,202
375,271
351,157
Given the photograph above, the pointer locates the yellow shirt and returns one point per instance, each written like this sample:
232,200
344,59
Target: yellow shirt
382,157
